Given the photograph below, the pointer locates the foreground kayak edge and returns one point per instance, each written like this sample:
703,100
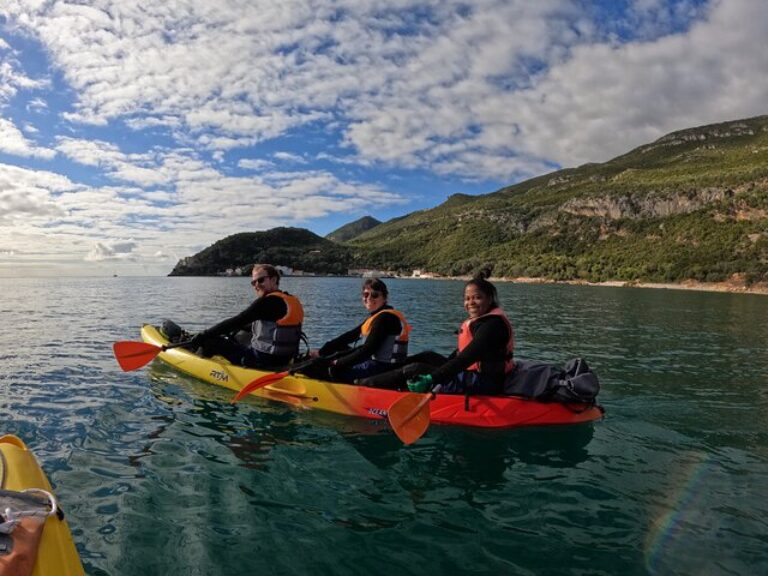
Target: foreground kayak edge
19,470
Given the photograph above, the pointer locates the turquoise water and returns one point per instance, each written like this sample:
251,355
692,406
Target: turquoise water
159,474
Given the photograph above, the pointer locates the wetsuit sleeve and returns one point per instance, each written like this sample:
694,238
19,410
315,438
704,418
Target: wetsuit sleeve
264,308
489,334
342,342
382,327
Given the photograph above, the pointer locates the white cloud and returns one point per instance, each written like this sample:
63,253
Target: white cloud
13,141
90,152
118,250
289,157
28,196
606,100
254,164
11,78
528,81
199,205
234,74
37,105
153,122
142,169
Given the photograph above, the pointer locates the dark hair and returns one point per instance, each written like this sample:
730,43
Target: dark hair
376,284
271,271
489,290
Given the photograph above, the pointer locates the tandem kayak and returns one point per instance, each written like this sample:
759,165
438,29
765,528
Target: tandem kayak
304,392
26,492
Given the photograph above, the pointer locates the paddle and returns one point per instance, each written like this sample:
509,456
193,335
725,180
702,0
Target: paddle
133,355
272,378
409,415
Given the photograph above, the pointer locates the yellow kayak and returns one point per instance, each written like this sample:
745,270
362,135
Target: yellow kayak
19,471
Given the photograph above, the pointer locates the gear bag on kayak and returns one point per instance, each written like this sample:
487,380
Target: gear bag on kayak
22,519
573,383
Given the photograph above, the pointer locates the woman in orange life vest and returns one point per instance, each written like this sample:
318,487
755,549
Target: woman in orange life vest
274,321
482,359
385,344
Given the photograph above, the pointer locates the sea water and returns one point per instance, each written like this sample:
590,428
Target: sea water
160,475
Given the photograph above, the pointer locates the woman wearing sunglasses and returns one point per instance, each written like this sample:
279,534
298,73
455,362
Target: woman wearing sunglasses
274,321
385,340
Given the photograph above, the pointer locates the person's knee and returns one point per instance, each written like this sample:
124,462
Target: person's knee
416,369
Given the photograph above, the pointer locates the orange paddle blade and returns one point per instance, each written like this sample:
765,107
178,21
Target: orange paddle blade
133,355
409,416
259,383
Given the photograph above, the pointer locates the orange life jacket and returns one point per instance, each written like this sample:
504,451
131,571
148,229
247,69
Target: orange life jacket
465,337
281,337
395,348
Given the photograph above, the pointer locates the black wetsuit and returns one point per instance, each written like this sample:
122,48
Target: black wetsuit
359,362
215,342
489,347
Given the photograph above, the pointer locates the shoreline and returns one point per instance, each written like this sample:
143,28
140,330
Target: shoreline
730,287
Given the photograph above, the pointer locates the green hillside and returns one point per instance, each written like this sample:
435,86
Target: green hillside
692,205
353,229
295,247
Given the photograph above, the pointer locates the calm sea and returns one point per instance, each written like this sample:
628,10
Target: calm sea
160,475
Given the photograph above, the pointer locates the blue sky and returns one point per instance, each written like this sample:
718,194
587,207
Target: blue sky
132,136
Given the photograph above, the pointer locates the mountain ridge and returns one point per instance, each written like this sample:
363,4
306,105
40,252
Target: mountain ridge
690,206
353,229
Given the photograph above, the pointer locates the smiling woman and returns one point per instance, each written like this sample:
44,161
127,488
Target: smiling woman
385,335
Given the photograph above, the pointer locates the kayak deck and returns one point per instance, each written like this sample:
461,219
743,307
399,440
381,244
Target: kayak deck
304,392
19,470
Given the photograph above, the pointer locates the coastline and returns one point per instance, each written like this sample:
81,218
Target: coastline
734,286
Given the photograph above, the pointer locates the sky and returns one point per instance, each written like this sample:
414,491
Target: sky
133,134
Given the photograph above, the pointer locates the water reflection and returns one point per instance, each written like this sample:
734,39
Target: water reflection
477,457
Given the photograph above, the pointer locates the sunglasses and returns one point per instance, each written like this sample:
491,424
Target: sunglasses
371,294
260,280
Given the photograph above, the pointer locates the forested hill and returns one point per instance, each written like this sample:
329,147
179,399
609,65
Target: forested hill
294,247
353,229
691,205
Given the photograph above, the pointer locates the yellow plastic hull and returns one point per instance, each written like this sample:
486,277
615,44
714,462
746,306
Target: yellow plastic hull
19,470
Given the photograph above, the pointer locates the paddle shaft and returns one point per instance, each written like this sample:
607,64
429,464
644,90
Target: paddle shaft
267,379
162,348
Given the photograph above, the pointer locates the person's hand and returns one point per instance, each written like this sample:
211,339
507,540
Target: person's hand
421,383
196,341
332,370
314,353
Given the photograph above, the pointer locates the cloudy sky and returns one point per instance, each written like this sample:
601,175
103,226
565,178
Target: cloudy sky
136,133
